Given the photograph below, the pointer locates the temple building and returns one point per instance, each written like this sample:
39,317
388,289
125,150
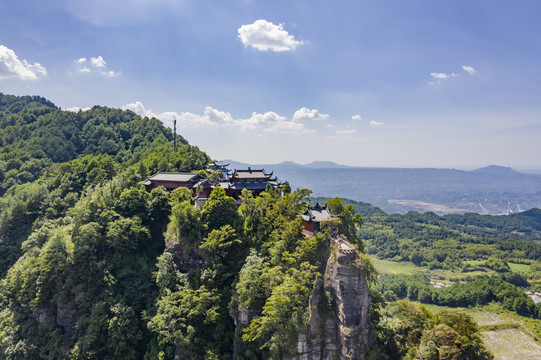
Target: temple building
233,183
221,166
196,182
251,179
314,217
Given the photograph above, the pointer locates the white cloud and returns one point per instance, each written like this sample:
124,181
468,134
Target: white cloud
97,61
264,35
110,73
438,76
356,117
12,67
374,123
307,114
77,109
346,132
288,127
96,65
138,108
272,122
260,121
210,118
269,121
470,70
442,76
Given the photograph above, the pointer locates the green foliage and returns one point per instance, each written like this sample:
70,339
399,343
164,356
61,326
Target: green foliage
186,318
254,284
479,291
284,313
219,210
497,264
350,221
133,202
412,331
184,224
179,195
85,235
126,234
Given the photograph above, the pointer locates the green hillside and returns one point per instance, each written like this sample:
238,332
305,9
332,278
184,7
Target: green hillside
92,266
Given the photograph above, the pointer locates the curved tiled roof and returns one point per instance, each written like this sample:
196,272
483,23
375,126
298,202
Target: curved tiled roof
175,177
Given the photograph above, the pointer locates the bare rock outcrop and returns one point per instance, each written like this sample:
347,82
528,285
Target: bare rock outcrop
339,325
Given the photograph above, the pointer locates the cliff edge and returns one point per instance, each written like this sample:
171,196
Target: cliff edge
339,325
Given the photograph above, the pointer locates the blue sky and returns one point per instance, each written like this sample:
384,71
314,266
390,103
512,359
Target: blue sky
367,83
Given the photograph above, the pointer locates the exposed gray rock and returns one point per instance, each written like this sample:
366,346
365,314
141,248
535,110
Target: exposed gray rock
65,318
185,257
241,319
39,315
339,325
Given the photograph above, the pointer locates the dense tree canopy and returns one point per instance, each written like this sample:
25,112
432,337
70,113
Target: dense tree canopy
92,266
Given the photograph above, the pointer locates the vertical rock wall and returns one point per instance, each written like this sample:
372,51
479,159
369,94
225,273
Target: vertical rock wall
339,326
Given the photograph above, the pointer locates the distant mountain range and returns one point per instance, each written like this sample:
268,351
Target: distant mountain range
488,190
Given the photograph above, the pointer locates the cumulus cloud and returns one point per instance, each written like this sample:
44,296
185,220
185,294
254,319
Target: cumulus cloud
356,117
138,108
374,123
306,114
12,67
96,65
269,121
77,109
470,70
97,61
210,117
264,35
257,121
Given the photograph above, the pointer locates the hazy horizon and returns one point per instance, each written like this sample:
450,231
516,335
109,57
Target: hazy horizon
524,170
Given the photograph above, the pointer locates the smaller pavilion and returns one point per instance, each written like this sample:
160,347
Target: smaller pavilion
219,166
313,218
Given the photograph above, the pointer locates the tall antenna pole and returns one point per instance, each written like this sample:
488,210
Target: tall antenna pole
175,133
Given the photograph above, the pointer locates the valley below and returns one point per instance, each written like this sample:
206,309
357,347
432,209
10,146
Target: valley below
493,190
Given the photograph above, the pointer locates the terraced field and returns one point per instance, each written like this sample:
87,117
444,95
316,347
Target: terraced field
507,335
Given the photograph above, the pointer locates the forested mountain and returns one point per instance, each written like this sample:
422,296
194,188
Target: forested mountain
94,267
490,190
34,134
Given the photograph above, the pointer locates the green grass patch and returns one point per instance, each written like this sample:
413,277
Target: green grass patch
519,267
394,267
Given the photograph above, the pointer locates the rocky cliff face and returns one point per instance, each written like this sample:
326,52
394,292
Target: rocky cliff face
339,326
